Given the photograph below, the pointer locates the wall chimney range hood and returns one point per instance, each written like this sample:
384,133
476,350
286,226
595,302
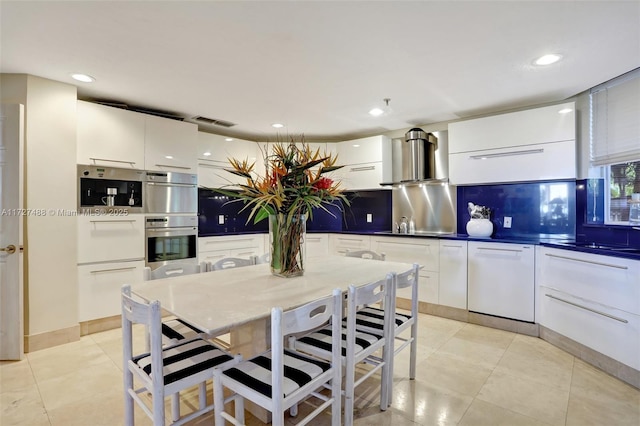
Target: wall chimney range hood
413,159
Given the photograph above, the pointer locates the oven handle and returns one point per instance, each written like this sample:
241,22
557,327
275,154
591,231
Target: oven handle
183,185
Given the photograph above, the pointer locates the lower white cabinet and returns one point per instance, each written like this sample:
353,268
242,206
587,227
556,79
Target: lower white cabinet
316,245
212,249
501,279
453,274
592,299
99,287
423,251
341,243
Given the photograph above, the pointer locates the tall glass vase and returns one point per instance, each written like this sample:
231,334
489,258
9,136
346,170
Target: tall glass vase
286,244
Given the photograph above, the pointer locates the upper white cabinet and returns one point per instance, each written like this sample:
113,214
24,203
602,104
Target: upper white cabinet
214,152
366,161
536,144
170,145
110,136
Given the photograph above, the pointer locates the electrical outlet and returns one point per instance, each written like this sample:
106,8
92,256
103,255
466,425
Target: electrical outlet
507,221
220,219
369,218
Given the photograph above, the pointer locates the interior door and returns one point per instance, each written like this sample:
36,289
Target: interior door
12,217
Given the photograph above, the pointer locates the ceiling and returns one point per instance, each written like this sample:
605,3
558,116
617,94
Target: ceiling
319,66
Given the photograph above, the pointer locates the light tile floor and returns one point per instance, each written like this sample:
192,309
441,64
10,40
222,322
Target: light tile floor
466,375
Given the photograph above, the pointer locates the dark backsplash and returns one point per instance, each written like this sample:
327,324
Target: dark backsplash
212,205
537,209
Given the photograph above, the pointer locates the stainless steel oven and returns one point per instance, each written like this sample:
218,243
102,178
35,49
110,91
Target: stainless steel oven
168,192
171,239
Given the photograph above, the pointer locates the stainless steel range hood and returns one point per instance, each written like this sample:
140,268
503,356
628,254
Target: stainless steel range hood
419,157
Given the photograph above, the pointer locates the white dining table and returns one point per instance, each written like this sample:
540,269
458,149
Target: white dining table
239,300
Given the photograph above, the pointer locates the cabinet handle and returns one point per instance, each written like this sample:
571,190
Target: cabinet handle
173,167
129,268
587,261
244,253
113,161
112,221
450,246
506,154
362,169
500,249
211,166
604,314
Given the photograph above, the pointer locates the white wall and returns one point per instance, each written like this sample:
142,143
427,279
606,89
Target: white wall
51,289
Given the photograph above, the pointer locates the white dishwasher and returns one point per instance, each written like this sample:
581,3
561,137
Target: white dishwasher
501,279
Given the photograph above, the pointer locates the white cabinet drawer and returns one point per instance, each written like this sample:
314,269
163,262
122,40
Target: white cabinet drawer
99,287
316,245
611,281
107,238
211,249
610,331
409,250
340,243
535,162
453,274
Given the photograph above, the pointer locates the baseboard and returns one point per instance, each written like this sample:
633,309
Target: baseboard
603,362
102,324
36,342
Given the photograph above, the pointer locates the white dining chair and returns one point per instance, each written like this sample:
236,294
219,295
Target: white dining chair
281,378
175,330
357,346
371,320
164,371
365,254
232,262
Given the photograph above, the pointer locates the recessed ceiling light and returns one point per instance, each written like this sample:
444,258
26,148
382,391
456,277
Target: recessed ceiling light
376,112
206,154
169,157
228,139
356,146
277,125
565,111
83,78
549,59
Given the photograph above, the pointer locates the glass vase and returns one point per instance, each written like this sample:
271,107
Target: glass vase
286,244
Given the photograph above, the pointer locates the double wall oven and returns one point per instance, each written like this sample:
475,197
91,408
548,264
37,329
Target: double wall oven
169,201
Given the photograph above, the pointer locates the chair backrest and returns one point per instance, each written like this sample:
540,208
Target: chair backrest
366,254
173,270
265,258
305,318
409,278
232,262
150,314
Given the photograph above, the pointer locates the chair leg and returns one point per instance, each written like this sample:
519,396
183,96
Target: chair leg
202,395
158,407
336,412
218,398
349,394
414,350
239,408
175,406
128,399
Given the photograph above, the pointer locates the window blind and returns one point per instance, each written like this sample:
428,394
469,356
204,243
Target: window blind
615,120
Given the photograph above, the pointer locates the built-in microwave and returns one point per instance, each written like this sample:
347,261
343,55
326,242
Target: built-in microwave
104,188
170,192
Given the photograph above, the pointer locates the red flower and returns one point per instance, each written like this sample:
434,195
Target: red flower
323,183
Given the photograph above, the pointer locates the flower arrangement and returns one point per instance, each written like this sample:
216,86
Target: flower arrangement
293,185
478,212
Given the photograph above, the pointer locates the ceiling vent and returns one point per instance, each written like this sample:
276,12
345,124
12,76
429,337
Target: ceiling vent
213,121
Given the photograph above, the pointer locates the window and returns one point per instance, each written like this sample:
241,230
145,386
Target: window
615,142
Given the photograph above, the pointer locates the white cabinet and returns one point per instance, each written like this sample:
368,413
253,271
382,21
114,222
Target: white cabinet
453,274
99,287
212,249
536,144
170,145
341,243
109,136
367,162
214,152
423,251
591,299
501,279
110,238
316,245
